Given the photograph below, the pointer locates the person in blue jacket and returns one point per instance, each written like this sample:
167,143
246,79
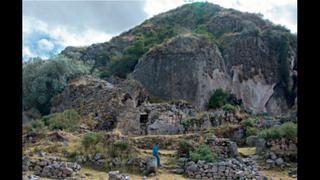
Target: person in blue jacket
155,153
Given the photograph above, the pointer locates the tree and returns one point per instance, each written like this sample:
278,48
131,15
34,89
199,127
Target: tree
43,79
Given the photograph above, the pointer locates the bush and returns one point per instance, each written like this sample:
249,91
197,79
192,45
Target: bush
218,98
186,123
92,138
66,120
289,130
229,108
250,131
286,130
271,133
121,145
225,130
104,74
250,122
203,152
37,124
184,148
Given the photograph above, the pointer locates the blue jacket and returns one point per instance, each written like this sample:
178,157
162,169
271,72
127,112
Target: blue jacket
155,150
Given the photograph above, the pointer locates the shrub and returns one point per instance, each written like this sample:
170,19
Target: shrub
121,145
250,122
66,120
224,130
289,130
203,152
184,148
218,98
186,123
229,108
286,130
104,74
92,138
251,131
37,124
124,66
271,133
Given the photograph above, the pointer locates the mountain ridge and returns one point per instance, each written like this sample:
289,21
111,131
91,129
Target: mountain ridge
245,40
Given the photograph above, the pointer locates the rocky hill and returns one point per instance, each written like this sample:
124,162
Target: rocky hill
190,51
214,87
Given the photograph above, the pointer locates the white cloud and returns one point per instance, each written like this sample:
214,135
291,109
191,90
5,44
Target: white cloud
154,7
45,44
41,39
86,37
27,52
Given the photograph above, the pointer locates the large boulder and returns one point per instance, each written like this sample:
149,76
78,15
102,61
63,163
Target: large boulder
151,164
251,141
260,146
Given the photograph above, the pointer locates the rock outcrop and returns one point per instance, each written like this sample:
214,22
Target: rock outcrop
186,67
189,67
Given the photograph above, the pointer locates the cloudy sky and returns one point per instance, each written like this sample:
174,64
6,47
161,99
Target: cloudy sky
51,25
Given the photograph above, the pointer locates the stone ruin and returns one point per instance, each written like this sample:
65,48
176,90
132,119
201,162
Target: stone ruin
230,169
52,167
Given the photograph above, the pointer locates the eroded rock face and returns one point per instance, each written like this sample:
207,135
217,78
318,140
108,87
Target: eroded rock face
190,67
187,67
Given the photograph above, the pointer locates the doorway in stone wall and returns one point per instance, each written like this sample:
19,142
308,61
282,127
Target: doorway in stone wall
143,122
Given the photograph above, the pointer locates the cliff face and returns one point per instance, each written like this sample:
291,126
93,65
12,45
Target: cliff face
186,67
190,51
191,67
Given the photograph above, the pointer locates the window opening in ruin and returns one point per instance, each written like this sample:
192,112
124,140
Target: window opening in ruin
143,118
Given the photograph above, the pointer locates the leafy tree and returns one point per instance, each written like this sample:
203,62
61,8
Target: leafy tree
100,61
43,79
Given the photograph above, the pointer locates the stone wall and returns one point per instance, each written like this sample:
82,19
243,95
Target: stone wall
224,147
165,142
52,167
96,160
284,148
231,169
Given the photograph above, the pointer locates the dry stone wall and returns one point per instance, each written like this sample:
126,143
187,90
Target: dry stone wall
52,167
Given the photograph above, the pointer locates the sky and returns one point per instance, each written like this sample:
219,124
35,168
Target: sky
51,25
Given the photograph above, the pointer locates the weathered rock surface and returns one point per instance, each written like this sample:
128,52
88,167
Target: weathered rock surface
151,164
186,61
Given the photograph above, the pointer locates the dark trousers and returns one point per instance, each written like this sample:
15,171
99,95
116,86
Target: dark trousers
158,159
